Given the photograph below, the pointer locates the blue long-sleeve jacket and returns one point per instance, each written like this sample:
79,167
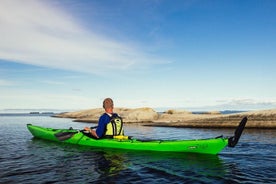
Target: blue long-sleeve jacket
103,121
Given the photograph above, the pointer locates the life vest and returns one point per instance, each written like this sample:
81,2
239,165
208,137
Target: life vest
114,127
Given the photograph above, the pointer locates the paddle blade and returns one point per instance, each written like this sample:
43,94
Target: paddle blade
62,136
232,141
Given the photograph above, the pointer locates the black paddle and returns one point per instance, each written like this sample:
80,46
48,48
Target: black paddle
232,141
62,136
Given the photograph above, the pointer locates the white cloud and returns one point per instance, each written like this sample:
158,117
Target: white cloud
6,83
249,101
51,82
33,32
246,104
29,99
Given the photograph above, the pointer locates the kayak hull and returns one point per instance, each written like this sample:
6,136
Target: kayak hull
203,146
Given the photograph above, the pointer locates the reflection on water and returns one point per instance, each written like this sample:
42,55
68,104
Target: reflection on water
110,164
176,166
68,163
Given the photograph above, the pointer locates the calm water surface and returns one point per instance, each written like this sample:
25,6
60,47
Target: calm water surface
27,160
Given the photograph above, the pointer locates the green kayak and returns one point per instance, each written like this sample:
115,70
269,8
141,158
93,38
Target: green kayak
204,146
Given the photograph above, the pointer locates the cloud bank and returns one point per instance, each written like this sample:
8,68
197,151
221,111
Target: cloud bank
5,83
246,104
36,33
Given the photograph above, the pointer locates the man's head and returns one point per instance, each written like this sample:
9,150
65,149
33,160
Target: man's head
108,103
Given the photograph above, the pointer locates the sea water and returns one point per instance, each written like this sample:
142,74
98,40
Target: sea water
24,159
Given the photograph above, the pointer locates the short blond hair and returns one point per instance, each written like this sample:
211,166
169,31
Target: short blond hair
108,103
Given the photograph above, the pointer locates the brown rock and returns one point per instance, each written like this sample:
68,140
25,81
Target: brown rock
180,118
139,115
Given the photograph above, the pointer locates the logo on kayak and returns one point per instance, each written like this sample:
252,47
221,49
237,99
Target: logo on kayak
192,147
203,146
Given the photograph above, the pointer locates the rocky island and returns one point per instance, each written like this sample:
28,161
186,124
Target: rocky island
180,118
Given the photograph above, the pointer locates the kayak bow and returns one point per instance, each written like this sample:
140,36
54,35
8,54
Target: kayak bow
204,146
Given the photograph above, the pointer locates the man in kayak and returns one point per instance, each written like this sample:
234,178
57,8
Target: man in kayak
110,124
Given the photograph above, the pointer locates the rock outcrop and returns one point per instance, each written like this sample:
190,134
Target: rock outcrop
139,115
256,119
180,118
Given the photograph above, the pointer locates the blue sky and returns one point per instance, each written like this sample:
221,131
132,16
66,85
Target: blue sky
197,54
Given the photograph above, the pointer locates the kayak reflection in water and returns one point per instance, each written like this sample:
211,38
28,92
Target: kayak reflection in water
109,125
110,164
